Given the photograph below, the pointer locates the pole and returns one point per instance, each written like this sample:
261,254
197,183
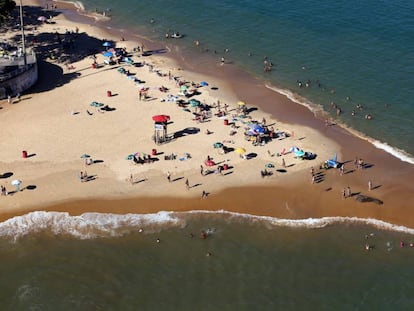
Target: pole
23,40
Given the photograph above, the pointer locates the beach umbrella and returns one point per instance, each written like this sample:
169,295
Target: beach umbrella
162,118
107,44
240,150
42,18
16,182
194,102
108,54
183,87
218,145
241,103
84,156
209,163
203,83
129,157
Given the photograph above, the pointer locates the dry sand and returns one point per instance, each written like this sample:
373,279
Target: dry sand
53,125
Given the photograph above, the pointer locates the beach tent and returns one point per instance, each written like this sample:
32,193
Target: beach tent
161,118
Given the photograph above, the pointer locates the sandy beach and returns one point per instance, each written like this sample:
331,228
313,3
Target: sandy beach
55,123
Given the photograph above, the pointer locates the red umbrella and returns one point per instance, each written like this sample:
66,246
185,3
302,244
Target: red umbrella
209,163
162,118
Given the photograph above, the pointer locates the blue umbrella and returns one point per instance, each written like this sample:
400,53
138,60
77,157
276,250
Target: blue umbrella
203,83
108,54
106,43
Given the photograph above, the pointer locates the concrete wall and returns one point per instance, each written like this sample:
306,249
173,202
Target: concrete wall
21,82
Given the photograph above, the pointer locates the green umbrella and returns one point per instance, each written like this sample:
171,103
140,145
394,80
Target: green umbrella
130,157
194,102
84,156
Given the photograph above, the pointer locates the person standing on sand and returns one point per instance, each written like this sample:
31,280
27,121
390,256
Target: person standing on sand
348,192
369,185
187,184
344,193
131,179
169,176
283,163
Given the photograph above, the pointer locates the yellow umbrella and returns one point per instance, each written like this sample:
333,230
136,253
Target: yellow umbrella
240,150
241,103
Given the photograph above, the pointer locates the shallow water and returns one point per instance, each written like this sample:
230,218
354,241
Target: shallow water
360,50
253,263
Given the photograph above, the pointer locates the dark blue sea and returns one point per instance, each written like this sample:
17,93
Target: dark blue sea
356,54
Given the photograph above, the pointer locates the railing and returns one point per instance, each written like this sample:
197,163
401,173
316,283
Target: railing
19,62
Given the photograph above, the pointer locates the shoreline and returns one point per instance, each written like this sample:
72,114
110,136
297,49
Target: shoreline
313,200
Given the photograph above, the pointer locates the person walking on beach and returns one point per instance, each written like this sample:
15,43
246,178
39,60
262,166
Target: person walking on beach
204,195
348,192
131,179
187,184
201,170
283,163
369,185
169,176
344,193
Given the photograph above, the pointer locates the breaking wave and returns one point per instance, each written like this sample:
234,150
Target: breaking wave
97,225
318,110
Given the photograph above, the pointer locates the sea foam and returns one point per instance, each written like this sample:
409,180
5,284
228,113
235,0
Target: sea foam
101,225
318,110
87,225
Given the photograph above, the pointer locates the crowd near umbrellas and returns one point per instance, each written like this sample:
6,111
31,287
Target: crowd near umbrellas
42,18
161,118
240,150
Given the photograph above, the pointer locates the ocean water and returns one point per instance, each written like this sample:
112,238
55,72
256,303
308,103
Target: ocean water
51,261
352,52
